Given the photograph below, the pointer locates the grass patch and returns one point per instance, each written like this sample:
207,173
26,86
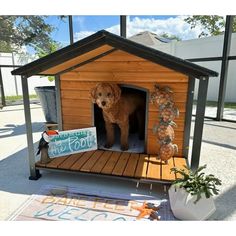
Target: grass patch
231,105
19,97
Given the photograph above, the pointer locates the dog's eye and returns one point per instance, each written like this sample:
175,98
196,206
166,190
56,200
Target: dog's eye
99,94
108,94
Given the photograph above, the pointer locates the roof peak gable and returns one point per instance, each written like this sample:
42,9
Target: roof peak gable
103,37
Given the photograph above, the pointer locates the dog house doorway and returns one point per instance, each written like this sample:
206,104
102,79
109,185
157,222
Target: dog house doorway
137,130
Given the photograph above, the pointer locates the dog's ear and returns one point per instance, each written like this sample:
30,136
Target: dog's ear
116,91
93,94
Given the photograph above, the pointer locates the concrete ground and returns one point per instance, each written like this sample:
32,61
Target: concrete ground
218,152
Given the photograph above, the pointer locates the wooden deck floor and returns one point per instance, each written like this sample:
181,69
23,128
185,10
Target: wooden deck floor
123,164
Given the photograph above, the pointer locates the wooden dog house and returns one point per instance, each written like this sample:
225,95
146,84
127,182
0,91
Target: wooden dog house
105,57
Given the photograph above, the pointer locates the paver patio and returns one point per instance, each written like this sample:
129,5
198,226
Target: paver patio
218,152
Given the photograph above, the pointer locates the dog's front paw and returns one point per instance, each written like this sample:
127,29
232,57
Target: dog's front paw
108,145
124,147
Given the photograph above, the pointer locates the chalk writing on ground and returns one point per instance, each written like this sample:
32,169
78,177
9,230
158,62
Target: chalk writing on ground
84,208
71,204
53,212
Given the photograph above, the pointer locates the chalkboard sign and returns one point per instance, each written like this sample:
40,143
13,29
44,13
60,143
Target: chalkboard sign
72,141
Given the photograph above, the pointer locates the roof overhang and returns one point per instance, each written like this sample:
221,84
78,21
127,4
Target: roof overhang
99,45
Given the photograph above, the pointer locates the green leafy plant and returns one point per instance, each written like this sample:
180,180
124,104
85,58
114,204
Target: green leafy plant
197,182
53,47
209,24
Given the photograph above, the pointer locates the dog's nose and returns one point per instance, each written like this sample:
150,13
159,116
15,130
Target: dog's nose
103,103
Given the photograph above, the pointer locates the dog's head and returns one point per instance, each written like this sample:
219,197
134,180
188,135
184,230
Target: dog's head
105,95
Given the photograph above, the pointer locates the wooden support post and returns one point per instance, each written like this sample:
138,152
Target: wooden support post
34,174
199,122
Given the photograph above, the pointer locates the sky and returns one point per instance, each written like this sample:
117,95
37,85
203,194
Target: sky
86,25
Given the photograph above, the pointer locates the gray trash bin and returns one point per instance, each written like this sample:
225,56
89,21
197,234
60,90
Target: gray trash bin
47,98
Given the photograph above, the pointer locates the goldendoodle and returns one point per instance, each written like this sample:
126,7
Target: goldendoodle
117,108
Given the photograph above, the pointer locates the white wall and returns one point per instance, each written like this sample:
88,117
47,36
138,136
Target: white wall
12,84
196,48
208,47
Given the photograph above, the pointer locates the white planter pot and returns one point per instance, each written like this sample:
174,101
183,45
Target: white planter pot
183,206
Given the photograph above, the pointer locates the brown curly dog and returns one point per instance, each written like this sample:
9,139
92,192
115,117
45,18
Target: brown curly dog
117,109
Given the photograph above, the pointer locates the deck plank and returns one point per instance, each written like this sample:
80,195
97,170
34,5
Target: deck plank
92,161
121,164
165,170
131,165
56,162
39,164
141,170
108,168
179,162
154,168
81,161
101,162
70,161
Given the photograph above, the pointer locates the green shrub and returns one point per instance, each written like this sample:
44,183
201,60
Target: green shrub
196,182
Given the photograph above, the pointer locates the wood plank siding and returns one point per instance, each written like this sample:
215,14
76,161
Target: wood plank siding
124,69
78,59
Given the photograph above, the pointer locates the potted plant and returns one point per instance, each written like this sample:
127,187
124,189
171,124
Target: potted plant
191,195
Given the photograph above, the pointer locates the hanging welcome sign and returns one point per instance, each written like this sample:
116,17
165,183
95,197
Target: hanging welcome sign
72,141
